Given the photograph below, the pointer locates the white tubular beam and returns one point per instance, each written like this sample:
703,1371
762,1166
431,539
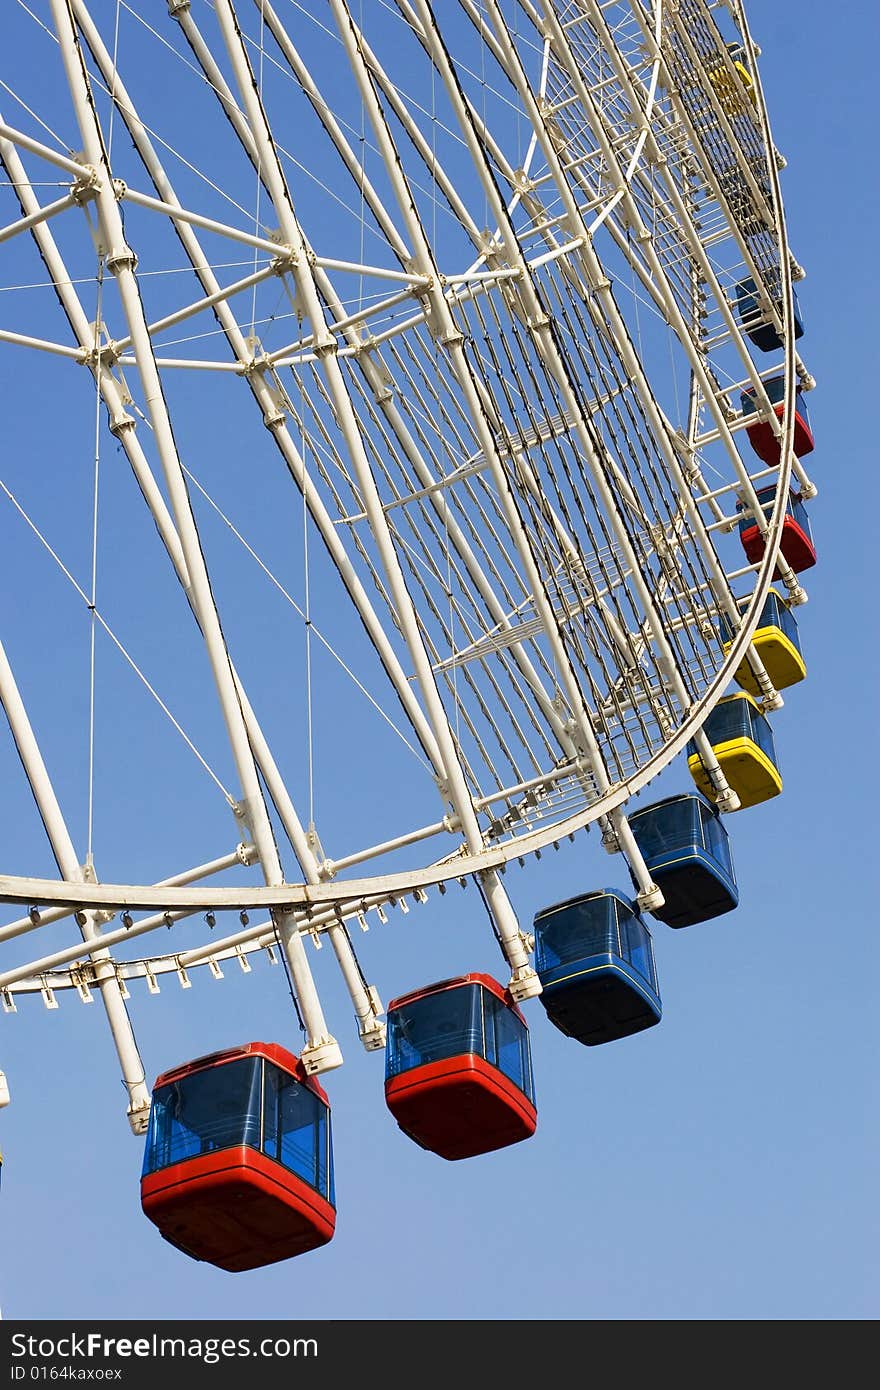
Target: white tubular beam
720,586
450,340
334,130
364,998
420,144
206,302
455,784
207,224
26,142
42,344
683,212
33,219
367,1005
683,116
243,855
321,1051
70,869
261,385
295,353
538,325
122,425
375,377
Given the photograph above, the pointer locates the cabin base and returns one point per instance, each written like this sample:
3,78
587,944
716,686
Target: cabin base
692,893
794,547
748,770
763,335
766,444
460,1107
599,1007
782,661
231,1212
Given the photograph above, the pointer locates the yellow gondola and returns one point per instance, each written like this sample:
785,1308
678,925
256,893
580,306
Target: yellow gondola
742,741
777,643
729,94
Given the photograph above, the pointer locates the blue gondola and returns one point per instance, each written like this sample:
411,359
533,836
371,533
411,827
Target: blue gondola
595,960
687,851
763,335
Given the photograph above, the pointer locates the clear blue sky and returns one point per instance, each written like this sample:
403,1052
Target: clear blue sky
720,1166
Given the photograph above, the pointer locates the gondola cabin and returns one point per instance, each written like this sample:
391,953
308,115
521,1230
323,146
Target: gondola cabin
687,852
777,643
760,433
729,92
458,1067
595,960
742,741
753,318
796,542
238,1164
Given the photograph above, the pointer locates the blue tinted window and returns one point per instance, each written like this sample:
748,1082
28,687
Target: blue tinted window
586,927
444,1024
775,387
789,625
776,613
747,296
766,500
636,945
296,1129
507,1042
716,839
799,512
728,720
213,1109
763,734
668,826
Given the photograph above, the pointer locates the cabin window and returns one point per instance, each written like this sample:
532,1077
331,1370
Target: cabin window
636,945
715,839
218,1108
763,734
785,620
439,1025
296,1129
799,512
507,1043
669,826
574,933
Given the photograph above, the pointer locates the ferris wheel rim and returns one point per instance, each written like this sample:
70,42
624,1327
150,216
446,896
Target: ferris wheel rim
306,896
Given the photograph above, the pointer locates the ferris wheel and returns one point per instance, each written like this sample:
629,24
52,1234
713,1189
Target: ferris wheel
407,424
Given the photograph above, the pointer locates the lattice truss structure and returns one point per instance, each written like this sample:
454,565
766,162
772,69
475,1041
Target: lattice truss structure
384,363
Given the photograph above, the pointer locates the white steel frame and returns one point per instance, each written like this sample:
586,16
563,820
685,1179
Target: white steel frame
610,149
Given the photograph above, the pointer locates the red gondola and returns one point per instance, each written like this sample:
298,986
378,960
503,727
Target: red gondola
458,1070
796,545
760,434
238,1165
